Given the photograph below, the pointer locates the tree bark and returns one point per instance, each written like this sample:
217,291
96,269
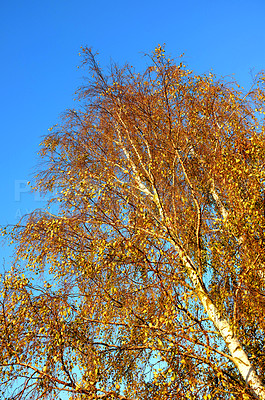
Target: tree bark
238,354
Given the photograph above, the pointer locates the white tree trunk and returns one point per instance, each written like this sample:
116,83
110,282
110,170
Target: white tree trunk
240,358
238,354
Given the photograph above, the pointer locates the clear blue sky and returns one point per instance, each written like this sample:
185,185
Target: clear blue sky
40,42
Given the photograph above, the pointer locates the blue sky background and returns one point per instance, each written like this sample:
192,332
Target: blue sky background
39,46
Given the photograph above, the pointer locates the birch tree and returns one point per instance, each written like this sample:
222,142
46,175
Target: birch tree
144,276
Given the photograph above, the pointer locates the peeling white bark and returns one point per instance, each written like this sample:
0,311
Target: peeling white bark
240,358
218,202
238,354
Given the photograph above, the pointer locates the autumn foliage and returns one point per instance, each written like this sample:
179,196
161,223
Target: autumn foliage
145,276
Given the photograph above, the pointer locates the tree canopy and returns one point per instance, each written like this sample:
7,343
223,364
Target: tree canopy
144,278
